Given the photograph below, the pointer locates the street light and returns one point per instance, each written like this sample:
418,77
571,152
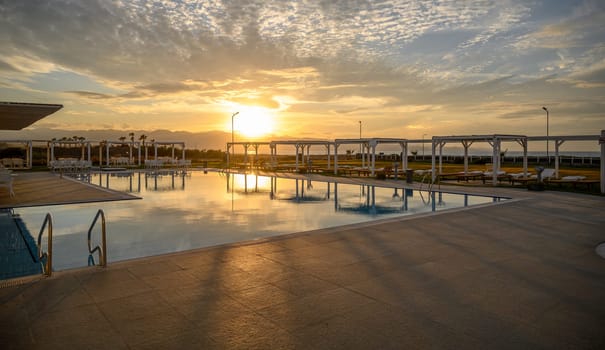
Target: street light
360,136
232,138
547,153
423,135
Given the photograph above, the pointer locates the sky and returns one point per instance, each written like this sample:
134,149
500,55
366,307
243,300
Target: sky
309,69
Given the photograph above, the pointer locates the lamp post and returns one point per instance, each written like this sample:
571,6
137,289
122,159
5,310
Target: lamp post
547,153
360,136
232,138
423,135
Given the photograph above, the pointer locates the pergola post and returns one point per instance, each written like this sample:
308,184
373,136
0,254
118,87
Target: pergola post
228,157
558,143
441,144
328,147
296,146
107,153
29,155
363,154
602,143
335,159
433,170
404,156
467,144
373,145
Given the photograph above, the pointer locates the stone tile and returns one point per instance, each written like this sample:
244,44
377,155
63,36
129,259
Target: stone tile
263,296
147,269
171,280
134,307
250,331
301,284
313,308
78,325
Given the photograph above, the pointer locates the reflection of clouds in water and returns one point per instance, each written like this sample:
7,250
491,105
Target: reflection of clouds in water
206,213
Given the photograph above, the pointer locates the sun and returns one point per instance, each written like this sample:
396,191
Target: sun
254,122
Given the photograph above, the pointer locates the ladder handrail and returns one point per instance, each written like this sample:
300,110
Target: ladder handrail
103,249
47,267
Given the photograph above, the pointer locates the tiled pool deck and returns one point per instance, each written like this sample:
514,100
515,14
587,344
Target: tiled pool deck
522,274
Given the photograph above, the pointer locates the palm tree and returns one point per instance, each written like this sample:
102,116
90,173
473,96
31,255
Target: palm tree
414,153
142,138
131,135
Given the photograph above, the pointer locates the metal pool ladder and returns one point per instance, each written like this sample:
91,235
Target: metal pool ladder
102,250
46,257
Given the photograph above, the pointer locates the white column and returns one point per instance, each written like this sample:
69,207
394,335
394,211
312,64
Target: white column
373,145
30,159
557,144
433,170
297,156
335,160
441,144
602,143
404,156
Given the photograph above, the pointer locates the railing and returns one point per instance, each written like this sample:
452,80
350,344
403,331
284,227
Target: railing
101,250
46,257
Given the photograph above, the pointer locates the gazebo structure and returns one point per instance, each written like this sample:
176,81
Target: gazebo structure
120,160
155,145
493,140
84,149
304,145
246,145
560,140
369,150
17,163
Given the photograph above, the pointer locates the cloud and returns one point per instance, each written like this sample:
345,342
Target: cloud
91,95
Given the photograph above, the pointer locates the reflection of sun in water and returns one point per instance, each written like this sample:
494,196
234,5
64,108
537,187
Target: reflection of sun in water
254,121
251,182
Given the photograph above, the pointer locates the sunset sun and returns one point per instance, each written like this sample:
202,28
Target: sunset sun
254,122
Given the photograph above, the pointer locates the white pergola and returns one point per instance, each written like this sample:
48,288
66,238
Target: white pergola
166,143
301,145
246,145
559,140
28,150
108,143
493,140
369,150
84,145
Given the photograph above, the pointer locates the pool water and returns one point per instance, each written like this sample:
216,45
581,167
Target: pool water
181,212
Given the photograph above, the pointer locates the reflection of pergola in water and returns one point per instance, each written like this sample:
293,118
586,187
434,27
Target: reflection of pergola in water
369,150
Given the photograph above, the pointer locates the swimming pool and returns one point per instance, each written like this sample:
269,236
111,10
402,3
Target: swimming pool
181,212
